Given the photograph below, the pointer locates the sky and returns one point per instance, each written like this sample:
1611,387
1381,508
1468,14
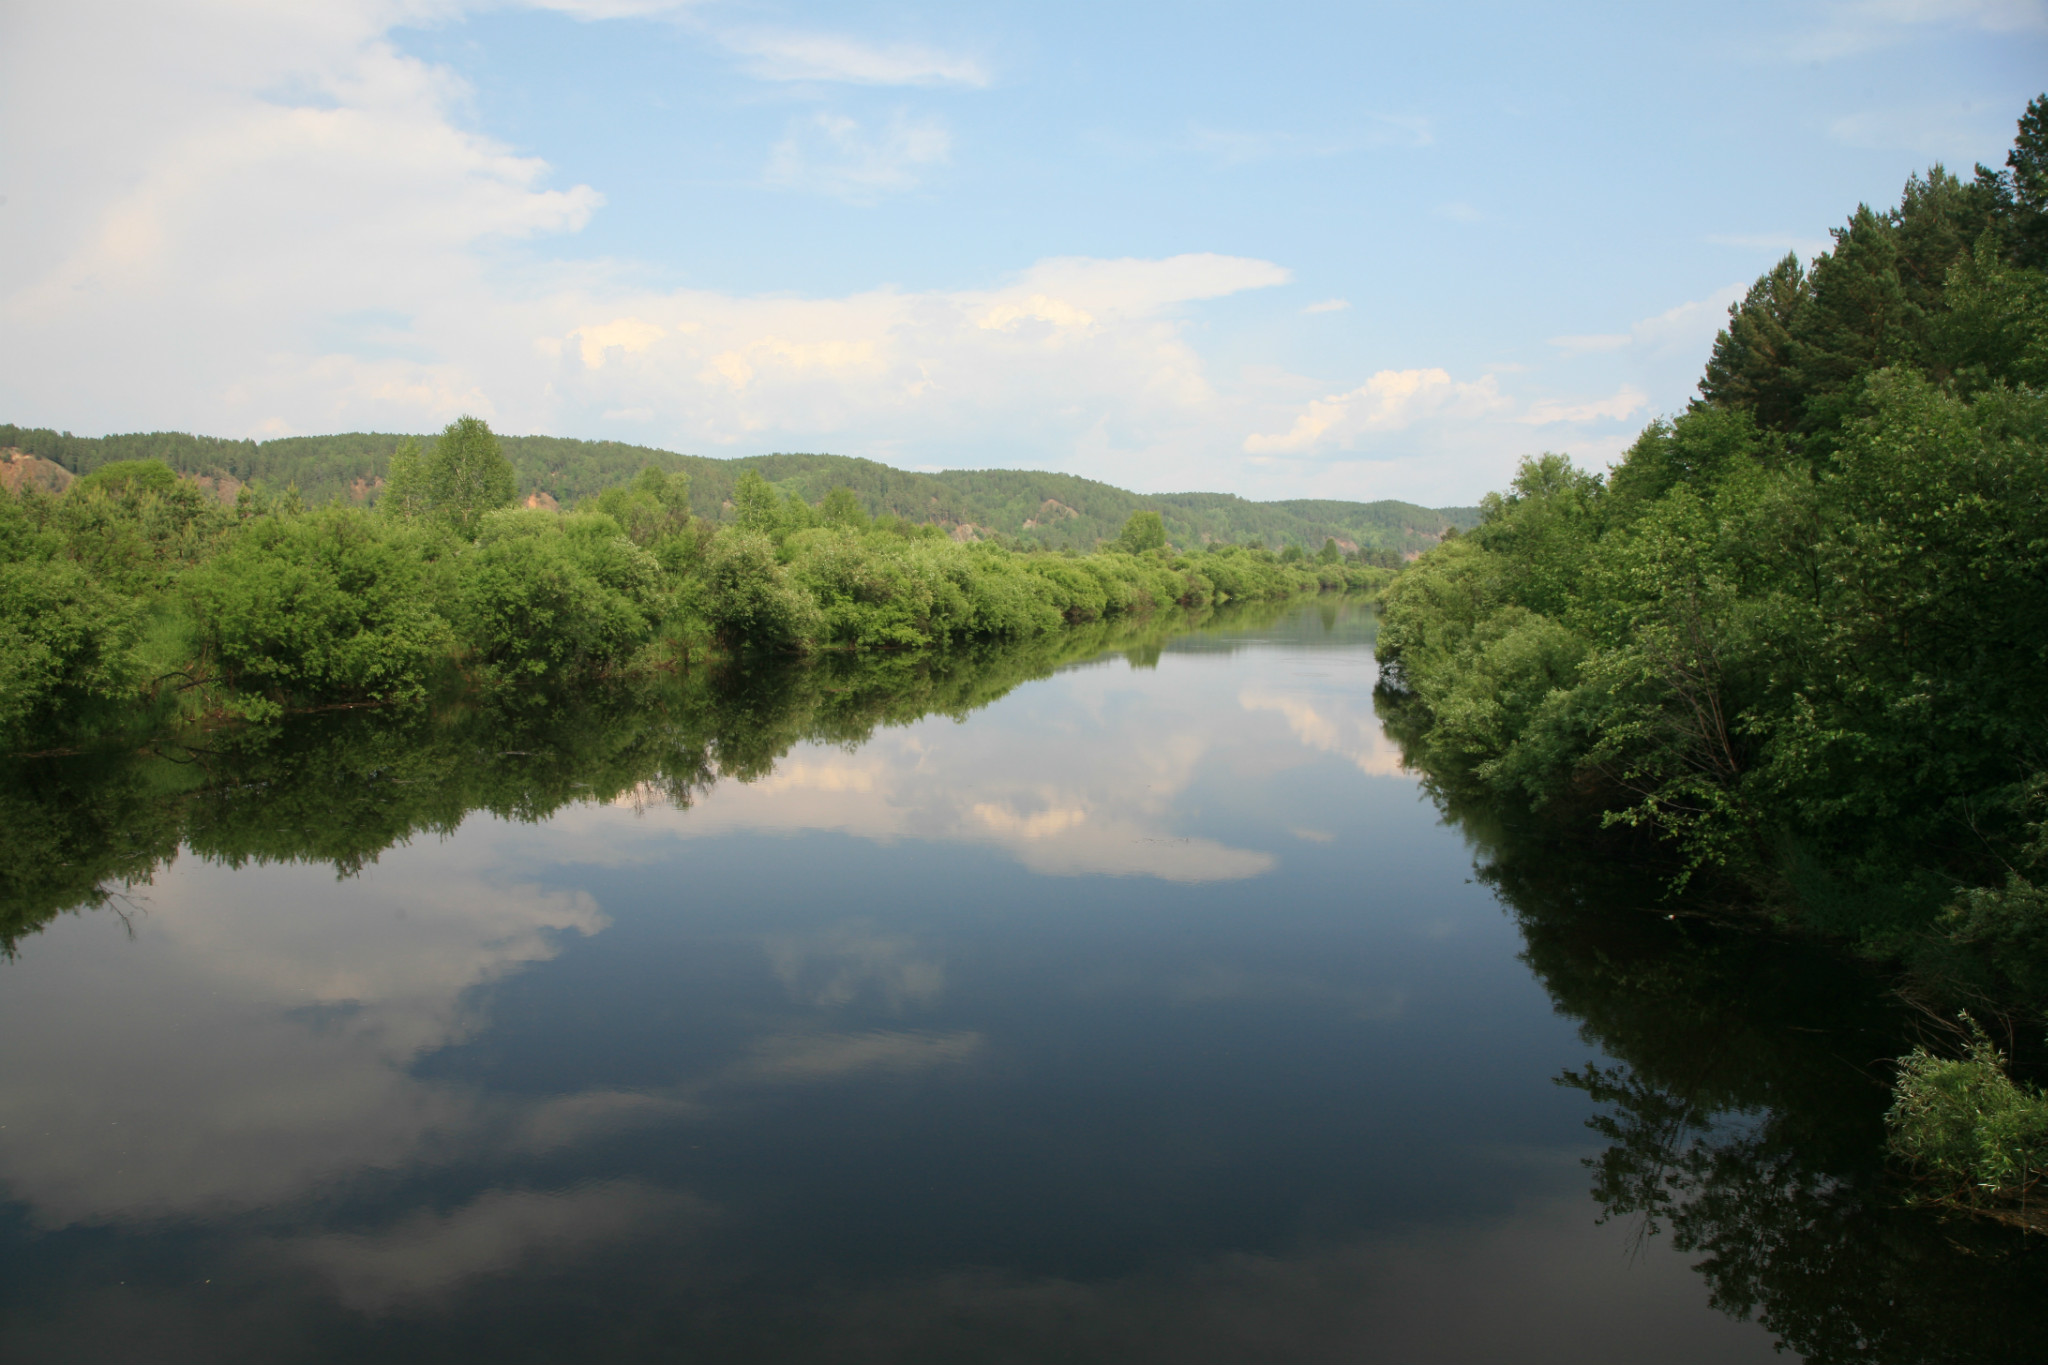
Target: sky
1313,250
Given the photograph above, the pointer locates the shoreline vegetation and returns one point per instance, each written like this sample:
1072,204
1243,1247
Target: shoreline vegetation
1795,644
135,601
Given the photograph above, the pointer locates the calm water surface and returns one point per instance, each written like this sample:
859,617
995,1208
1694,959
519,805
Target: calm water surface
1149,1012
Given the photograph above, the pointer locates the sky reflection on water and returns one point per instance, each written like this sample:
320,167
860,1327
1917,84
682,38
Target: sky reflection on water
1147,1013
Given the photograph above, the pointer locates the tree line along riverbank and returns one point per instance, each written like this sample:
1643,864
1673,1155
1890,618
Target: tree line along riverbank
135,599
1798,638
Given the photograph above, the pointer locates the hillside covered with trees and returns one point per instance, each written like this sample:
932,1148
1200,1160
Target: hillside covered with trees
1033,507
1799,636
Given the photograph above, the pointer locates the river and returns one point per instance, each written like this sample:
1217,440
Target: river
1128,1006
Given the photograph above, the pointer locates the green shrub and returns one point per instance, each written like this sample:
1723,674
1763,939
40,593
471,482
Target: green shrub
1967,1126
749,598
327,606
64,638
543,595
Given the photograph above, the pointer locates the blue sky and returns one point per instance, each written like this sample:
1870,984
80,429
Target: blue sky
1349,251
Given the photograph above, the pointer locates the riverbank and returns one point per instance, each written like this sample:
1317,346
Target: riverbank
135,602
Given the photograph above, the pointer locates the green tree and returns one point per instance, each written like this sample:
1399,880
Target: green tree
756,507
842,507
406,492
2027,175
468,474
129,477
655,506
1144,531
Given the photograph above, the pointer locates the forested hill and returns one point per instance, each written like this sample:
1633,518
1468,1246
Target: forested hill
1060,511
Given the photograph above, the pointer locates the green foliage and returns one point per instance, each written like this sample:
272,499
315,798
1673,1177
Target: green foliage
139,587
756,508
842,507
407,495
330,605
1804,624
749,598
65,639
1976,1135
128,478
542,597
653,508
1144,531
1800,636
467,474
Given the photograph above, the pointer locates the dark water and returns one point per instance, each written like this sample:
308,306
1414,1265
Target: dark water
1143,1011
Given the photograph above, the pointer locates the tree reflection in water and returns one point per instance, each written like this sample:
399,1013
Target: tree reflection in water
342,787
1744,1120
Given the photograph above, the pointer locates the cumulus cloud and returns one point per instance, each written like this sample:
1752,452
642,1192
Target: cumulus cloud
1389,401
272,221
787,56
206,249
625,334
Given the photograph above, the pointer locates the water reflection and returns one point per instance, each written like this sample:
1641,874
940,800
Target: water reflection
844,1013
1743,1114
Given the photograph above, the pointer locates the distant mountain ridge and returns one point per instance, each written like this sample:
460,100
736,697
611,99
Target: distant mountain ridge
1059,511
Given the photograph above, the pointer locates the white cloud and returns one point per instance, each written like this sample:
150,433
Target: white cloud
1624,404
1389,401
836,155
786,56
1691,324
1328,306
205,250
593,10
625,334
1686,327
1358,737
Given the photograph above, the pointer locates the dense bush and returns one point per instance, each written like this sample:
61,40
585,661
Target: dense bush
64,639
327,605
541,595
1974,1133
